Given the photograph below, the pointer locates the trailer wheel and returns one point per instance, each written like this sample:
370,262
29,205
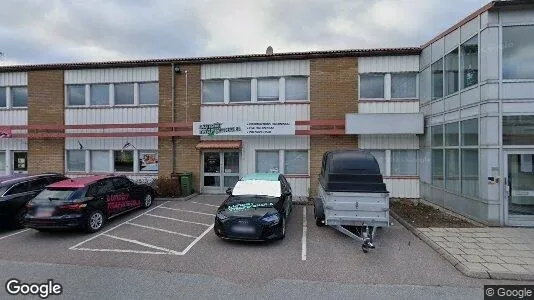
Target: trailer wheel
318,212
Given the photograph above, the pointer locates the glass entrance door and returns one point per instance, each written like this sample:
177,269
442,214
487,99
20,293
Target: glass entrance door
220,171
519,189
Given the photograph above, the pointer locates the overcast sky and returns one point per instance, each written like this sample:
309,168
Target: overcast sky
52,31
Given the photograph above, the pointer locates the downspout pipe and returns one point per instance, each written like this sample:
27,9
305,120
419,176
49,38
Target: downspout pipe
173,110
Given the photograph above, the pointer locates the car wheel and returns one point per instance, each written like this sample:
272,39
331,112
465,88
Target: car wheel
284,225
95,221
44,229
19,219
318,213
147,201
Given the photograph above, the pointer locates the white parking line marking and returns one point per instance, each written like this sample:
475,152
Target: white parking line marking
179,220
94,237
9,235
304,232
121,251
142,244
162,230
189,211
197,240
205,204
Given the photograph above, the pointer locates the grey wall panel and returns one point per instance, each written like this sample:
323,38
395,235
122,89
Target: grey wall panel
489,91
489,54
452,116
452,102
381,123
438,107
470,96
526,107
484,20
489,131
438,48
469,112
517,90
425,58
469,29
489,108
515,16
425,85
452,40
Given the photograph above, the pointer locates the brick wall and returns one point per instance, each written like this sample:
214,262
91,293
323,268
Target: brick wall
46,105
334,93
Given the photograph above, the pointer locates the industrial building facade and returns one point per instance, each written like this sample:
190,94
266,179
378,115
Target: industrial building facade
451,122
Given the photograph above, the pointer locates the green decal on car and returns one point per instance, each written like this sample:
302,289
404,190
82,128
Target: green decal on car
247,206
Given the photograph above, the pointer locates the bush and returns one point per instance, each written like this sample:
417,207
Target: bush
167,187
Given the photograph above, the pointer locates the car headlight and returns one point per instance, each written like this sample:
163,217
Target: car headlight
271,218
221,216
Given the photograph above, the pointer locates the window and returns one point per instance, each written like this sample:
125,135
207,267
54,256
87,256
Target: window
20,188
296,88
518,52
403,162
121,183
452,170
267,161
268,89
100,94
404,85
437,136
239,90
124,161
39,184
451,72
518,130
2,162
437,79
124,94
451,134
296,162
76,160
372,86
212,91
101,188
469,62
149,93
76,94
20,161
148,161
99,161
437,167
3,98
470,132
470,172
380,156
19,96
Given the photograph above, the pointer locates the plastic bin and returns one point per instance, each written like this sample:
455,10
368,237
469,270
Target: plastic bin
186,183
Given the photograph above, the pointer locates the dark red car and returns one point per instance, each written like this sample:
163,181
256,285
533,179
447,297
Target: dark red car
86,202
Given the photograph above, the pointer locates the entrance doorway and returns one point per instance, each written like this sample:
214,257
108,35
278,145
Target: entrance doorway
220,170
519,188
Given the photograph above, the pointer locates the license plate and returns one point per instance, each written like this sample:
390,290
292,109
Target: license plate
244,229
44,212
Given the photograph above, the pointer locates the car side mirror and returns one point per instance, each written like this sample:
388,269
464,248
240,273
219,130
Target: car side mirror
229,191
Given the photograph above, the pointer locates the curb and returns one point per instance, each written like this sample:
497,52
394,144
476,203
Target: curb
177,199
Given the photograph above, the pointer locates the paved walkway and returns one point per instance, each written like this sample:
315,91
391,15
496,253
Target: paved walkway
499,253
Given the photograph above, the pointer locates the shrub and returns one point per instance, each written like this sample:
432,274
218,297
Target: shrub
167,187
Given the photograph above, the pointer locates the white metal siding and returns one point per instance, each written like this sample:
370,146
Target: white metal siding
402,188
385,64
13,144
13,79
115,115
256,69
255,112
388,107
141,179
397,141
112,75
13,117
141,143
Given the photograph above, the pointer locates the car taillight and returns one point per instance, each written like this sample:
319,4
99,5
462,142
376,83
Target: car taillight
76,206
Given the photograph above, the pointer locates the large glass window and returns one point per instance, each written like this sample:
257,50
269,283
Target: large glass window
267,161
437,167
296,88
239,90
2,162
470,172
380,156
470,132
437,79
403,85
99,161
437,136
469,62
403,162
268,89
372,86
296,162
452,134
451,72
518,52
76,160
518,130
124,161
124,94
100,94
3,100
149,93
148,161
452,170
76,94
212,91
19,96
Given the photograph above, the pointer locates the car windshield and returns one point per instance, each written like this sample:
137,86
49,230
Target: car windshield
59,194
251,199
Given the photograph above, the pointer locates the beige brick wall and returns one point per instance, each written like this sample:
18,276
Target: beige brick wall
46,105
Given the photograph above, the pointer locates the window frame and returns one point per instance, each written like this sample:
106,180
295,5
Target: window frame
266,150
108,96
383,75
267,100
306,78
230,90
6,106
115,94
139,84
416,91
501,71
67,169
203,82
307,173
68,92
415,152
12,96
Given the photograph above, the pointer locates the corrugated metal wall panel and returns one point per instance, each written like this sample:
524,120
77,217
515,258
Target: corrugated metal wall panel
141,143
397,141
115,115
141,179
112,75
13,79
256,69
13,144
14,117
255,112
388,107
385,64
403,188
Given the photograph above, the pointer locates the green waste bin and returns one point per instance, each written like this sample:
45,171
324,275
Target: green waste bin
186,183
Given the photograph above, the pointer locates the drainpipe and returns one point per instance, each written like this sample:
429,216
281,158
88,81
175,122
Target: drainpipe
173,109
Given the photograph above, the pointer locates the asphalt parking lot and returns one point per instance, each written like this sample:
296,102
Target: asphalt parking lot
177,236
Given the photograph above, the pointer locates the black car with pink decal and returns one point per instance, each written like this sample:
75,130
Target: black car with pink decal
86,202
